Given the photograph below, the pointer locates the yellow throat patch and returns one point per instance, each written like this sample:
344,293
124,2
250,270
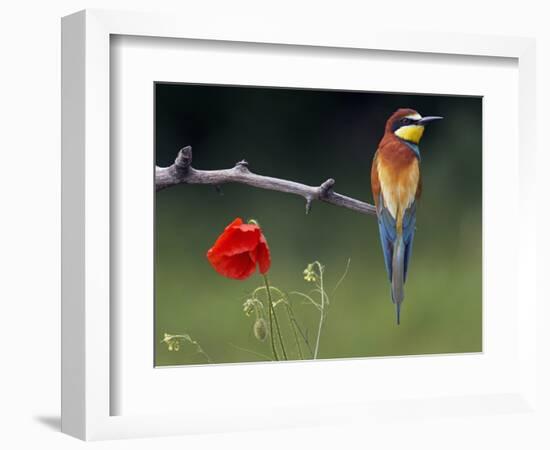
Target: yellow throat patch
411,133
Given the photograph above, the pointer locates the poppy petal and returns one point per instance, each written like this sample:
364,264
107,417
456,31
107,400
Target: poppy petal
238,267
236,222
263,256
228,231
236,239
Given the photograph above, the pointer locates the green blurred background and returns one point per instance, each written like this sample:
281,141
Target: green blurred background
309,136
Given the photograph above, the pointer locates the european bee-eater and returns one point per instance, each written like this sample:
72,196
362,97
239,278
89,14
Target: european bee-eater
396,187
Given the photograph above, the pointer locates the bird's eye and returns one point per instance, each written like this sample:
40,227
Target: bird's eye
406,121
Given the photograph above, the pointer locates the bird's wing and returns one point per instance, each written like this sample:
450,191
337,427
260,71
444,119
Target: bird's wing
388,232
386,223
409,227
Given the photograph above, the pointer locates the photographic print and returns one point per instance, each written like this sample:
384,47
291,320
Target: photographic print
304,224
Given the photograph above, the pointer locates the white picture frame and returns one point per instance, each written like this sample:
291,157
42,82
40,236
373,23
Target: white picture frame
88,356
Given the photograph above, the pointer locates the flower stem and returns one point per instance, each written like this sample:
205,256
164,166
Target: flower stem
292,321
323,307
269,313
274,314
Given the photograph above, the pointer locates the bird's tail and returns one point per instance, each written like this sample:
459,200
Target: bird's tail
398,275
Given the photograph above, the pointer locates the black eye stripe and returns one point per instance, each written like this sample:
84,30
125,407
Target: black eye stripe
402,122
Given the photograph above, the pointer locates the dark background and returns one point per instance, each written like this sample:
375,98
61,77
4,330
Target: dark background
309,136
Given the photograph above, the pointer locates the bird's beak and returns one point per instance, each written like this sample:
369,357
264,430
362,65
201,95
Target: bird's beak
428,119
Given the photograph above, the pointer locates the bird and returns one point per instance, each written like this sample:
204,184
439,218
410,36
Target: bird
396,187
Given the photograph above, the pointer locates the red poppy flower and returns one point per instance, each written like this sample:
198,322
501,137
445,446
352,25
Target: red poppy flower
239,249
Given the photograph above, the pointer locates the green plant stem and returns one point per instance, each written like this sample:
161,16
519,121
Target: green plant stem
274,314
292,321
323,306
269,313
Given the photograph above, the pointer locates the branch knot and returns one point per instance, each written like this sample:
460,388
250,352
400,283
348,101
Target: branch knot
326,188
183,160
242,166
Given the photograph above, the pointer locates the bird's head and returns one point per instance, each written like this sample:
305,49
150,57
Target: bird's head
408,125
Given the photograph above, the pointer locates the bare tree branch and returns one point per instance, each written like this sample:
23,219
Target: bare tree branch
181,172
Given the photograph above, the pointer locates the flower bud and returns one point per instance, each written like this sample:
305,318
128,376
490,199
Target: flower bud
309,274
260,329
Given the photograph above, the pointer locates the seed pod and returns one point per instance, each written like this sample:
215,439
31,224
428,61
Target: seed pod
260,329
